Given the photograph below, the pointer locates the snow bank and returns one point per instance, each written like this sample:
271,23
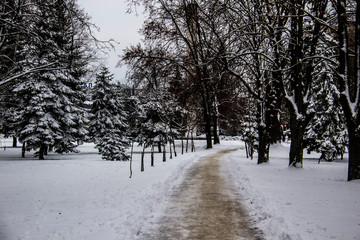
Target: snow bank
315,202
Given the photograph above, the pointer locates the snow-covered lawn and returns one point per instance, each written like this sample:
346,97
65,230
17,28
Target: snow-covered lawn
80,196
315,202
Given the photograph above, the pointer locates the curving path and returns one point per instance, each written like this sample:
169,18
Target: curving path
204,207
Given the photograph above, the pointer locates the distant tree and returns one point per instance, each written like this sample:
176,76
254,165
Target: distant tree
108,127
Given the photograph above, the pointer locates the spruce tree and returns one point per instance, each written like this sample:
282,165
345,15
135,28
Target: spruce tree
326,132
49,112
108,127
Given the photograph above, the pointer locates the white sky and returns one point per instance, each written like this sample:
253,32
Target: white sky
114,23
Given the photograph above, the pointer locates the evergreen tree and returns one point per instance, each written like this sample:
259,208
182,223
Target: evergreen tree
108,126
326,132
49,112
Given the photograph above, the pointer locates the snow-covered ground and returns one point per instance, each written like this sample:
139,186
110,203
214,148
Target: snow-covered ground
315,202
80,196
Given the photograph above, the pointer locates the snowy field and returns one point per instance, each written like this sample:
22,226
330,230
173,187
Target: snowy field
80,196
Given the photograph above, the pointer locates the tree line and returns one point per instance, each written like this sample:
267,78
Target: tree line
299,57
46,48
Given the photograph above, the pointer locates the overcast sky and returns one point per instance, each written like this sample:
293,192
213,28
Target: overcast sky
111,17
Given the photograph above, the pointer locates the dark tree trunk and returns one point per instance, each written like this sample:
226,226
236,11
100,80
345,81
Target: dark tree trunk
263,150
152,154
246,150
354,153
215,130
182,146
345,69
23,149
159,147
42,151
14,142
296,147
131,156
353,126
164,153
174,148
142,159
187,140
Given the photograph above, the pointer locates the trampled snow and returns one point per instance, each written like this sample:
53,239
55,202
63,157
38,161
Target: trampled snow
80,196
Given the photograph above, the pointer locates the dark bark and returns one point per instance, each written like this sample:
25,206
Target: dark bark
296,148
174,148
354,153
187,140
23,149
246,150
14,144
164,153
354,121
263,150
152,154
142,159
182,146
42,151
298,87
131,155
345,69
159,147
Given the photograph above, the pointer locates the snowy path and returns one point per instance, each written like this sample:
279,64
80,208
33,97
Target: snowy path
203,207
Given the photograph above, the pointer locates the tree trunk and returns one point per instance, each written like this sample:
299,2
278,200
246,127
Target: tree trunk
192,141
152,154
42,151
353,121
164,153
296,147
23,149
216,122
131,155
263,150
14,142
142,159
187,140
159,147
246,150
347,84
182,146
173,142
354,153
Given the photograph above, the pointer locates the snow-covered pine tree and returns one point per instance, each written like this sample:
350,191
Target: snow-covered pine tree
108,127
49,112
326,133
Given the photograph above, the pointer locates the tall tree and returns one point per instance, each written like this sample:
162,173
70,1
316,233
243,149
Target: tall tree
48,110
108,127
348,32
